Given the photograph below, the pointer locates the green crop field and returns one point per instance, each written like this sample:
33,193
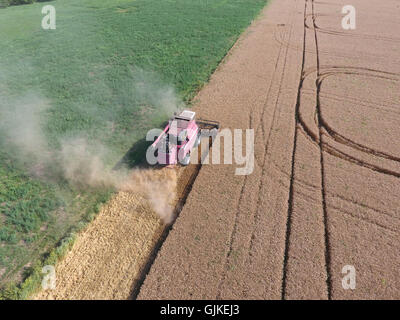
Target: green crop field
112,70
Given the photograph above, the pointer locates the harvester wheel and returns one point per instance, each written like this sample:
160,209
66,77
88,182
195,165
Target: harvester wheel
186,160
198,140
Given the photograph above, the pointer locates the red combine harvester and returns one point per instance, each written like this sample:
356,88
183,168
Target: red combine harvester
182,134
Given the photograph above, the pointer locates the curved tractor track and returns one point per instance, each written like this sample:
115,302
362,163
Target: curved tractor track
331,133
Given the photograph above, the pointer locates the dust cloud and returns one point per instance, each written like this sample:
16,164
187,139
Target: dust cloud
77,160
149,89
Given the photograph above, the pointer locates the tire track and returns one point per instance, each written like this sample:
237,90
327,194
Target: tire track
315,27
364,219
309,186
265,156
370,104
322,164
291,187
261,125
281,41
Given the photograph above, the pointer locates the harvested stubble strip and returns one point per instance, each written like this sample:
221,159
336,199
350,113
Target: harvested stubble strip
109,256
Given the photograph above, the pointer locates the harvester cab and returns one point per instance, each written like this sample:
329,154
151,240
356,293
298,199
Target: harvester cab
182,134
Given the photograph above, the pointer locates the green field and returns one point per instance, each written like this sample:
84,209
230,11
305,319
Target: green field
111,70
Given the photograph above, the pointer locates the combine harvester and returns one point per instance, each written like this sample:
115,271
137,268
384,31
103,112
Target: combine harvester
182,134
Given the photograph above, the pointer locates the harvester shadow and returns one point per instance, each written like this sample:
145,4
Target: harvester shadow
135,156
